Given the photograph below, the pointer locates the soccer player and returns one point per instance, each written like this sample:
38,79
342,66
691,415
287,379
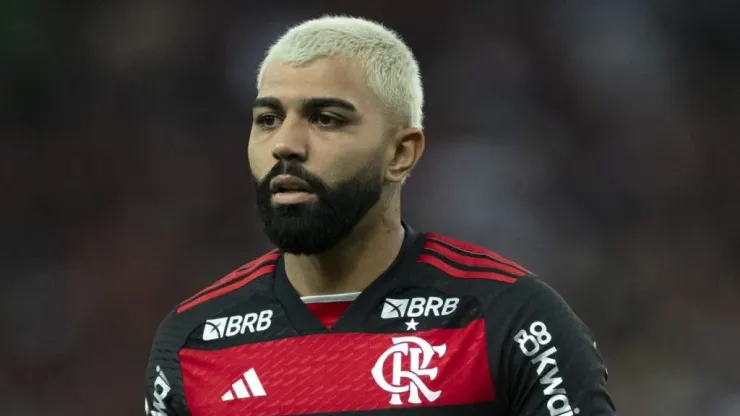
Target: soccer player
354,311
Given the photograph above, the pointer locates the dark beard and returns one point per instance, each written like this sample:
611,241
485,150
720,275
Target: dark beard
315,227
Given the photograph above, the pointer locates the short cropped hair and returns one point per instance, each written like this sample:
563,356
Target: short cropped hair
390,67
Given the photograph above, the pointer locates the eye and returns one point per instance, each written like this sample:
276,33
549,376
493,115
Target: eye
267,121
328,121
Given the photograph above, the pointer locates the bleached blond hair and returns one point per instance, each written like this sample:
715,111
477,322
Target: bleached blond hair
390,67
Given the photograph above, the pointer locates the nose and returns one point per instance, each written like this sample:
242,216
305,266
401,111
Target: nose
288,153
291,143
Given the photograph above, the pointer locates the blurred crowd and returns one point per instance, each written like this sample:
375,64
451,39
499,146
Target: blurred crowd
594,142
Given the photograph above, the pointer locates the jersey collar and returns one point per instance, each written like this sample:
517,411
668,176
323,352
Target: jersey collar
305,322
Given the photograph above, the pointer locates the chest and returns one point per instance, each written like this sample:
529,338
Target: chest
411,356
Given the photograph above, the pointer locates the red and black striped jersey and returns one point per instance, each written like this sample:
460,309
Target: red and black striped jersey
449,328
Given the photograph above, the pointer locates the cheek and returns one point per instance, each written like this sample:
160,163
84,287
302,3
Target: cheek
352,166
260,159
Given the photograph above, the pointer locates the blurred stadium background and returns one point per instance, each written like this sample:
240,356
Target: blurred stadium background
596,142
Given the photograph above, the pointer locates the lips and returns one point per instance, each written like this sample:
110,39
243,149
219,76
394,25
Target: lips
288,184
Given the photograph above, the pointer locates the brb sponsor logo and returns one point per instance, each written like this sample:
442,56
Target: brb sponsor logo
533,343
417,307
410,359
237,325
159,393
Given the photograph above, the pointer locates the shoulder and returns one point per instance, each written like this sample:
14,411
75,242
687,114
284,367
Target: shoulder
506,291
237,279
468,262
175,327
483,273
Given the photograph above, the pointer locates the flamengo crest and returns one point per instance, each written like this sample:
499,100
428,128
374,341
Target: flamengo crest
407,376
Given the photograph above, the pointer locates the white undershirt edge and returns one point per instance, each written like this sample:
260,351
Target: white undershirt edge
339,297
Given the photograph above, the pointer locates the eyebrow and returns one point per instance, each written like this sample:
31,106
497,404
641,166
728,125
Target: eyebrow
268,102
310,104
326,102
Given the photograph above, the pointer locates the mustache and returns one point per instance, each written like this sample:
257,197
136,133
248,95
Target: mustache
317,185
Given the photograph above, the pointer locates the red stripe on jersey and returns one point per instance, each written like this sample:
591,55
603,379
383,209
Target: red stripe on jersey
340,372
463,274
472,261
236,274
463,246
228,288
328,312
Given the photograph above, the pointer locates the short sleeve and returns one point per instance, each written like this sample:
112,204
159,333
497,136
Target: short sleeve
550,362
164,394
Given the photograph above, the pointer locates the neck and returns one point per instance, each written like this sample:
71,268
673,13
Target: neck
352,264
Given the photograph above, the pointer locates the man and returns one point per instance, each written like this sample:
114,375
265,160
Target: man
354,311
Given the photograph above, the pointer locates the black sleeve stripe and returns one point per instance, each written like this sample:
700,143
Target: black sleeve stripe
473,251
236,274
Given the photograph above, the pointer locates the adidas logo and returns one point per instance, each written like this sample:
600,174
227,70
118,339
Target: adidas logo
242,388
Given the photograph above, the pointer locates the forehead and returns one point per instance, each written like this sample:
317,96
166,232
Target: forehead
324,77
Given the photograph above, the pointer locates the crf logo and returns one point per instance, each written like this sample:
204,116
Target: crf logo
406,375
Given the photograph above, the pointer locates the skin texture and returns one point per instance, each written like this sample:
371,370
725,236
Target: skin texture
302,128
